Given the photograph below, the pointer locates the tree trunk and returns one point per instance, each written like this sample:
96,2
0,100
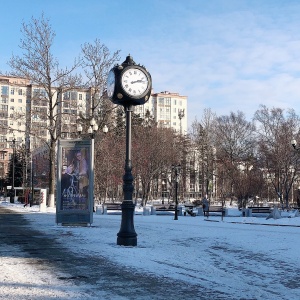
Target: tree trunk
51,201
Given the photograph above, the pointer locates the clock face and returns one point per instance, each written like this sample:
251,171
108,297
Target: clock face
134,82
111,80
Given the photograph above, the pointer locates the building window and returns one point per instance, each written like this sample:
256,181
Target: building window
39,93
4,90
168,101
73,95
80,96
180,102
20,92
12,91
20,100
4,107
2,154
12,100
66,96
175,101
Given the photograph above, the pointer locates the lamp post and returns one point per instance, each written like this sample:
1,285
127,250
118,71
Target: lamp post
294,144
298,197
176,170
163,191
91,131
12,191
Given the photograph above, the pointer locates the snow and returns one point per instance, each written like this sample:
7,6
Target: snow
239,257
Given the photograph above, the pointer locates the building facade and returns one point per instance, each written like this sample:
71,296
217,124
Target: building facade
168,109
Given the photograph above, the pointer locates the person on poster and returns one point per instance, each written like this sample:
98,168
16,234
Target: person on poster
81,170
75,177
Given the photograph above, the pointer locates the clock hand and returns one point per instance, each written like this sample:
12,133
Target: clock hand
140,80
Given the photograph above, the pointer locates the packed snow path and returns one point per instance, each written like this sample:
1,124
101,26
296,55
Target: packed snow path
52,267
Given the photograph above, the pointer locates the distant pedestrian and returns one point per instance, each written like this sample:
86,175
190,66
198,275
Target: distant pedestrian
205,206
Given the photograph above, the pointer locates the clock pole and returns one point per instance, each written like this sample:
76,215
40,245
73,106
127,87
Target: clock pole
128,85
127,235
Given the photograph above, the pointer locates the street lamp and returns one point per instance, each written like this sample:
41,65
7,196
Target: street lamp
91,131
294,144
176,170
180,117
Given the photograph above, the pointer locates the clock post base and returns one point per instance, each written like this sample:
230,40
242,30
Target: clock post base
127,235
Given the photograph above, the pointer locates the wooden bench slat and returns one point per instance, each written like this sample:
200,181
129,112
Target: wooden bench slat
260,209
113,206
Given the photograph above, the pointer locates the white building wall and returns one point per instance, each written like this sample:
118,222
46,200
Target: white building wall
166,107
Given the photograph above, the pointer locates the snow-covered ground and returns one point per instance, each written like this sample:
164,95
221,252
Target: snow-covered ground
240,257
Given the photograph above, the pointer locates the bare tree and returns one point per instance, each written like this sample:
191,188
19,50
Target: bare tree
202,135
235,148
96,62
275,131
109,162
38,64
155,150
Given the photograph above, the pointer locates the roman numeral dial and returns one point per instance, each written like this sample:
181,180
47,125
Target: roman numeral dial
134,82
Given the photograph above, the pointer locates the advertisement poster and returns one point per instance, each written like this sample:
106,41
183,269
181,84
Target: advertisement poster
74,185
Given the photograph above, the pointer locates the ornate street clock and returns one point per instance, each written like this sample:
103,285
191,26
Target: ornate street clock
129,83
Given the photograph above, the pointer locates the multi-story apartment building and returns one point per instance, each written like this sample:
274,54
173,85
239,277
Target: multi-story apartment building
168,109
12,118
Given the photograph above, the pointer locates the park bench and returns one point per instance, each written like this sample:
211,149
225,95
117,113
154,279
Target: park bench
296,208
165,209
115,207
217,209
259,210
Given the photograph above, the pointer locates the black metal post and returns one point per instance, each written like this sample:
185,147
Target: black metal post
12,194
32,182
176,170
176,197
163,196
127,235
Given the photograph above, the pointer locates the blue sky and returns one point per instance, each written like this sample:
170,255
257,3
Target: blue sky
226,55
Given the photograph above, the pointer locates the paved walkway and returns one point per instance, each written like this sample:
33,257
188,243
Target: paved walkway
104,279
